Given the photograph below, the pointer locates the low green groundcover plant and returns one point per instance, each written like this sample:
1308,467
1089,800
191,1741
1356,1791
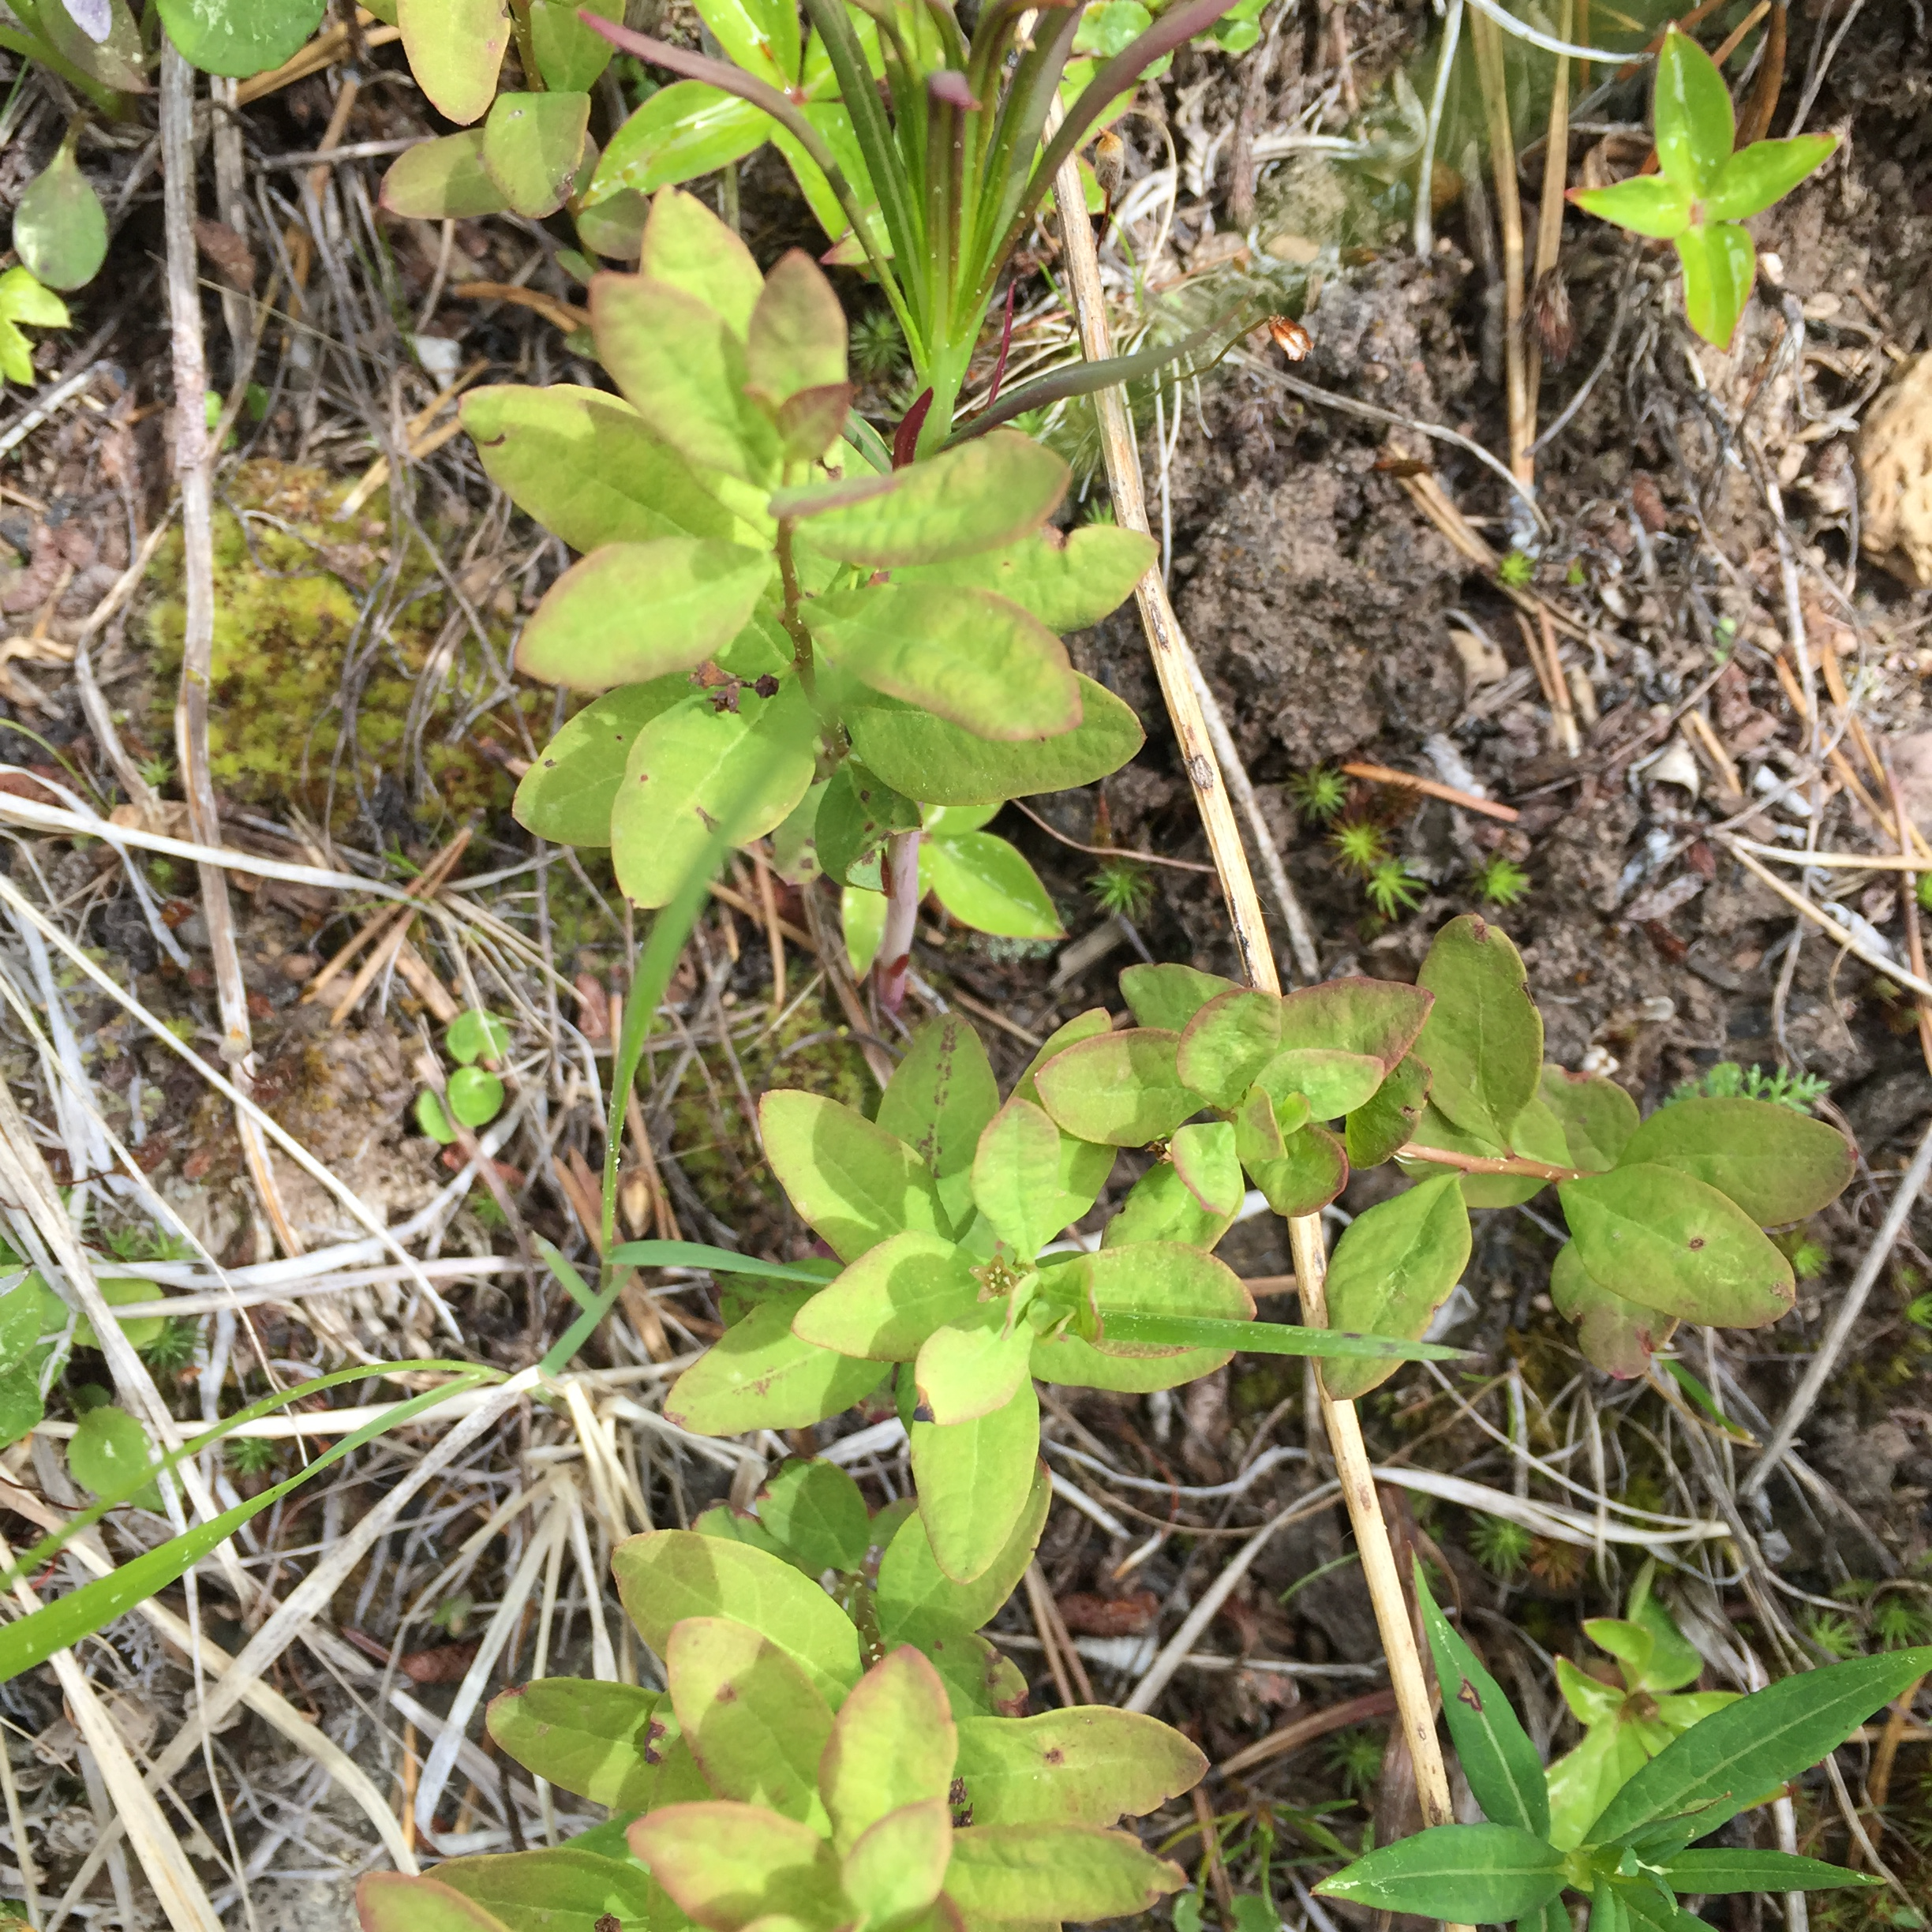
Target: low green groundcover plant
1634,1860
817,1759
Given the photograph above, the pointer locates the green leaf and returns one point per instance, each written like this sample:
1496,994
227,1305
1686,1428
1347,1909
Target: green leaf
1660,1238
1169,996
1395,1265
1333,1083
21,1309
612,1743
759,1374
727,1864
684,130
753,1719
473,1036
570,56
988,492
1159,1207
1597,1116
1015,1177
682,366
60,228
1617,1335
22,299
1267,1338
1087,1025
1084,1766
1718,263
796,339
1069,582
454,49
21,1405
1376,1017
694,595
686,247
892,1744
760,36
476,1097
811,1272
1478,1874
941,1095
892,1298
1313,1171
943,763
110,1455
1735,1755
388,1902
1387,1120
1121,1089
984,883
975,1480
1674,1661
1582,1781
855,1183
1483,1039
816,1510
689,766
1227,1043
445,180
1501,1764
1145,1278
917,1601
1644,204
532,146
1050,1872
895,1869
1777,1165
1694,126
970,658
857,813
558,1890
1551,1915
238,37
1755,177
971,1367
584,466
666,1575
1207,1166
1739,1869
1258,1138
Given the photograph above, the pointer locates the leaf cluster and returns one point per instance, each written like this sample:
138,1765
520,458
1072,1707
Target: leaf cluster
817,1759
1704,191
1633,1858
472,1094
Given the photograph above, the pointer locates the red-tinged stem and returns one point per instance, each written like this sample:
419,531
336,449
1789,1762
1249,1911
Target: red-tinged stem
905,438
999,368
901,877
1489,1164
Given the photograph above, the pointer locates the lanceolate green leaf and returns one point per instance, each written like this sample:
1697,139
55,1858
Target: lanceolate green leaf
892,1744
1393,1268
970,658
1270,1339
1068,583
719,1260
1755,177
1776,1164
1736,1755
941,1095
1055,1872
1483,1039
561,1888
1660,1238
944,764
1478,1874
1646,204
1718,263
666,1575
634,611
1739,1869
596,1741
854,1182
1084,1766
1497,1757
1695,126
684,130
973,1479
759,1374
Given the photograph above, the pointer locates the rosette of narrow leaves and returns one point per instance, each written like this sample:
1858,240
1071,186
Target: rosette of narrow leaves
794,1767
1703,191
1634,1861
759,598
940,1211
1624,1726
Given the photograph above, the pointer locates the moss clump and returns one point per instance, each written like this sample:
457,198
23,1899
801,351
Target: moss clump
289,592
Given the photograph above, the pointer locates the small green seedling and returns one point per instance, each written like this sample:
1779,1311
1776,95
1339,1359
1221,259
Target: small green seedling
1624,1727
1780,1086
24,303
1517,570
1319,793
1500,882
1123,887
474,1094
1633,1860
813,1763
1703,192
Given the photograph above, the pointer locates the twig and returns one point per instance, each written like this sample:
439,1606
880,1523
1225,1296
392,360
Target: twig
1432,787
1824,1365
1432,132
1171,659
1547,286
554,309
1109,852
1305,1729
1845,938
1486,39
193,461
1211,1854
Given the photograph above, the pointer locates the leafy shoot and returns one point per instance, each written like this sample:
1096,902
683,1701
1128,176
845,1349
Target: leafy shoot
1318,794
1501,882
1123,886
1728,1080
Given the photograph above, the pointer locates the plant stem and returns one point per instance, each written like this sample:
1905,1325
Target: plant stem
901,877
1172,659
1486,39
526,47
1489,1164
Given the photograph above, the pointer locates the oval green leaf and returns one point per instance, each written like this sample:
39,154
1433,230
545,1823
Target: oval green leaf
1069,582
533,146
1777,1165
974,1481
1121,1089
239,38
454,49
1482,1039
759,1374
855,1183
566,795
1478,1874
60,228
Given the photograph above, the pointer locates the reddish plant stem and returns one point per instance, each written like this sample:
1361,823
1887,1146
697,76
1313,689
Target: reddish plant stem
899,875
1487,1163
